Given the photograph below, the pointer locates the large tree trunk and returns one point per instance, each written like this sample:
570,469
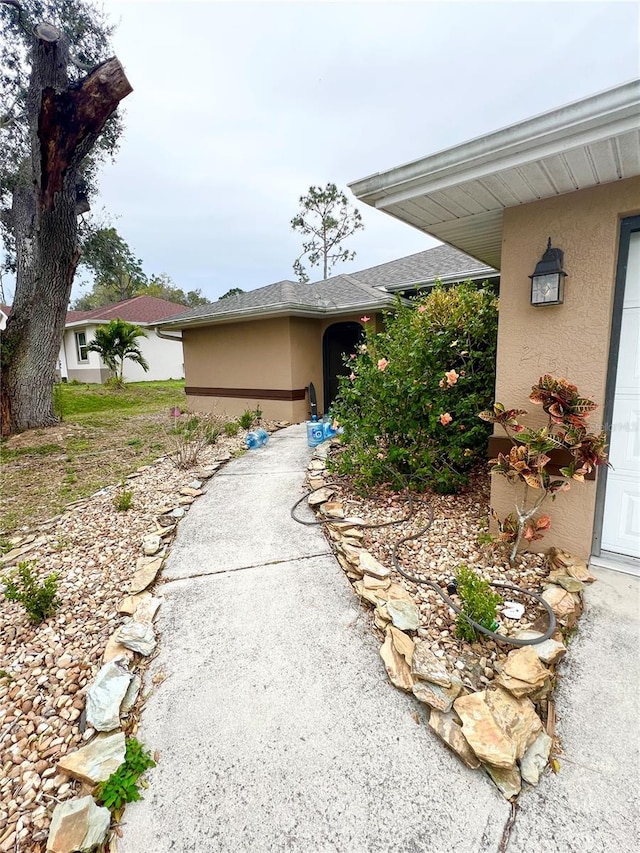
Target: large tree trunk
65,122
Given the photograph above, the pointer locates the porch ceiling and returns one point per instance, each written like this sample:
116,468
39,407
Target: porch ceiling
459,195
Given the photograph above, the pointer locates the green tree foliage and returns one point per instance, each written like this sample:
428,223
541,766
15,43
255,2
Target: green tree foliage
325,219
89,32
409,407
235,291
118,275
117,342
162,287
38,599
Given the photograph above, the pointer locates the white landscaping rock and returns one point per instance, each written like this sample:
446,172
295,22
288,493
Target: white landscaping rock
535,758
78,826
105,695
97,761
137,636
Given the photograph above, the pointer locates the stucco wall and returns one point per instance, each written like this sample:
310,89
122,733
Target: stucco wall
164,357
240,355
570,340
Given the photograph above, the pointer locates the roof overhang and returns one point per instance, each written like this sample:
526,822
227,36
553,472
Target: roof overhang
283,309
453,278
459,195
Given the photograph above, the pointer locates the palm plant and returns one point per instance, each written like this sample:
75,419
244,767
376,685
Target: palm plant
116,342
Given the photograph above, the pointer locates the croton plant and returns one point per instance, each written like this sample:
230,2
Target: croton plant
526,463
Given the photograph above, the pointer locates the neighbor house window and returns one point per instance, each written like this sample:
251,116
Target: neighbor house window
81,346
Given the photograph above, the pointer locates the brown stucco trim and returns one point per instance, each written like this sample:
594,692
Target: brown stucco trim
559,458
251,393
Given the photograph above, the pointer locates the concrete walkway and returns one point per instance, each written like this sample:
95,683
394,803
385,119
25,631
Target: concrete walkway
278,730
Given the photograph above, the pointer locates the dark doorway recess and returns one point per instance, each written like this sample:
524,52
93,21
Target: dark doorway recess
339,340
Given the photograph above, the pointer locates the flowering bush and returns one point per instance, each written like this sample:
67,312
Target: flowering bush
409,406
526,463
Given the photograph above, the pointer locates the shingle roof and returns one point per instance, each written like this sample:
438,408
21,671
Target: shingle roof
425,267
359,291
138,309
340,293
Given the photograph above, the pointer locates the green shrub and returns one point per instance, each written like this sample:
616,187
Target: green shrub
123,501
409,407
122,786
479,603
231,428
246,419
38,599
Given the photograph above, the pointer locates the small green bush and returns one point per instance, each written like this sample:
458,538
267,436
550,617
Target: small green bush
38,599
123,501
409,404
479,603
231,428
122,786
246,419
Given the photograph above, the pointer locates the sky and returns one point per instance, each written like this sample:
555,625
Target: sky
239,107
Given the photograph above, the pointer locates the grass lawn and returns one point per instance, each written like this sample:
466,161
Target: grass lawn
104,435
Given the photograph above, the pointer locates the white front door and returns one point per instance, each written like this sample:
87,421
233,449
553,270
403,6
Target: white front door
621,519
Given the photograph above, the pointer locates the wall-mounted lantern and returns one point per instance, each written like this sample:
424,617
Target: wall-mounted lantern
547,281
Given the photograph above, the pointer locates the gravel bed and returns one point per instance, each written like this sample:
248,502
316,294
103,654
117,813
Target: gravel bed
46,669
453,539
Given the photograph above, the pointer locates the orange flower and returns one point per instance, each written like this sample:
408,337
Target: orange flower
451,377
382,363
445,419
352,376
365,319
422,309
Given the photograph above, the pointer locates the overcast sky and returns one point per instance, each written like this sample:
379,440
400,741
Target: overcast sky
239,107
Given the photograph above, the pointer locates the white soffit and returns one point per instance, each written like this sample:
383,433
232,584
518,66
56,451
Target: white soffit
458,195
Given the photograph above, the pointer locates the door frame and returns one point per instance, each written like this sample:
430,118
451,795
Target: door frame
325,358
628,226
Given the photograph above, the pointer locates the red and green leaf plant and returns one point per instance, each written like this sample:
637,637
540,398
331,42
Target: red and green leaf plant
525,466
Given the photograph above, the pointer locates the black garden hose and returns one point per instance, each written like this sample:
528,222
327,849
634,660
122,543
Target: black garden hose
513,641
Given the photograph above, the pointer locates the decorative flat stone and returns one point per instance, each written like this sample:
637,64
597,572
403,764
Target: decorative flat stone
151,544
566,564
535,758
130,603
507,781
398,669
144,576
404,614
370,566
77,826
427,667
195,484
440,698
516,717
178,512
375,583
138,636
403,644
191,493
131,695
523,672
105,695
566,605
97,761
147,609
550,651
447,728
333,509
115,649
568,583
321,496
482,732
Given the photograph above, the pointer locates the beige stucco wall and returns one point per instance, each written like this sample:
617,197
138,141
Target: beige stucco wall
283,353
569,340
239,355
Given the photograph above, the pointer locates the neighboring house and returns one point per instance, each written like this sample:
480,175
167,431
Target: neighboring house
163,355
573,175
266,346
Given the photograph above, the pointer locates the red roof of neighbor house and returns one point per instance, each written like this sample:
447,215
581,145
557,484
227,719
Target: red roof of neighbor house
138,309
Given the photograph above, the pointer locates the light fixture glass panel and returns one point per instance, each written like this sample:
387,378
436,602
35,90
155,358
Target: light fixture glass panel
545,289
